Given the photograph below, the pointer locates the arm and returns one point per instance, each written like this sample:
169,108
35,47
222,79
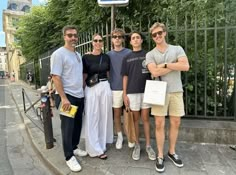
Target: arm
125,97
59,87
84,78
182,64
157,70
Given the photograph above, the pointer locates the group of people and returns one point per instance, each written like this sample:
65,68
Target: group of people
122,74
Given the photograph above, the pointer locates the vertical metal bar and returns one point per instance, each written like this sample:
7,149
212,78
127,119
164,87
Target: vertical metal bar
205,69
176,28
23,95
225,72
215,65
149,40
112,17
140,23
107,36
123,21
186,50
195,66
47,120
104,45
167,28
234,100
34,75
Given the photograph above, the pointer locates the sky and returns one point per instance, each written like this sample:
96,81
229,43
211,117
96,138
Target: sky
3,5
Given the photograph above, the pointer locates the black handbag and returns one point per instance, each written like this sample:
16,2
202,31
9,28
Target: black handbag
94,79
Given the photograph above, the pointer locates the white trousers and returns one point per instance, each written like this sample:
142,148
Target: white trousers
98,119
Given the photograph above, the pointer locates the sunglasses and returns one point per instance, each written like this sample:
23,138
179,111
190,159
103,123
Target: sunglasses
97,40
117,36
70,35
157,33
135,37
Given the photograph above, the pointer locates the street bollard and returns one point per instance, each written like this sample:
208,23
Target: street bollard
47,120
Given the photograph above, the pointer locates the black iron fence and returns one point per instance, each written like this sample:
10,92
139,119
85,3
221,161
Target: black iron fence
209,86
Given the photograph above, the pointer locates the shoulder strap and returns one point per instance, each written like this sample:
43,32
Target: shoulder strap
100,64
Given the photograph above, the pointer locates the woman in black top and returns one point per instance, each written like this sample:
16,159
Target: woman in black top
98,124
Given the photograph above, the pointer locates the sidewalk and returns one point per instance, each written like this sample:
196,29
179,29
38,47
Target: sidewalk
199,159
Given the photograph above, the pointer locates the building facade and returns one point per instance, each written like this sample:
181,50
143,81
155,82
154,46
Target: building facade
3,61
11,15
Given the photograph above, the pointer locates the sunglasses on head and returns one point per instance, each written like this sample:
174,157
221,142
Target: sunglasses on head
117,36
157,33
97,40
70,35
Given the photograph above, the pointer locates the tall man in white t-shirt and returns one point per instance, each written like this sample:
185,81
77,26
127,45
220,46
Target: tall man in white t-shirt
167,61
67,75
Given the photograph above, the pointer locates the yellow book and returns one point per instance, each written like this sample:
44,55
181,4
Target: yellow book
71,113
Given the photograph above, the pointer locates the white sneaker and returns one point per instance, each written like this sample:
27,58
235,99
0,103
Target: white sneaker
119,142
151,153
131,145
73,164
136,152
80,152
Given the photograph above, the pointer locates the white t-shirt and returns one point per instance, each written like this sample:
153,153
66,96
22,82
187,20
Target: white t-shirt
68,65
171,55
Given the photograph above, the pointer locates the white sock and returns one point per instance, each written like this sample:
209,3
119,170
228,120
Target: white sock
120,134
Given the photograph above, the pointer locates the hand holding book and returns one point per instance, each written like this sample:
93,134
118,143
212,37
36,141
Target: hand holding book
69,113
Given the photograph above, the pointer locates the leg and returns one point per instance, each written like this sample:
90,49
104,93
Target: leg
160,134
78,123
146,125
176,109
136,115
117,119
67,126
136,150
173,133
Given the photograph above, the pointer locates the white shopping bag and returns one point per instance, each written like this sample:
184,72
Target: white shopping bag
155,92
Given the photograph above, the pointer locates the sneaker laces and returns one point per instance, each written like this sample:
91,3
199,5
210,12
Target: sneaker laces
74,161
136,149
150,151
175,156
160,160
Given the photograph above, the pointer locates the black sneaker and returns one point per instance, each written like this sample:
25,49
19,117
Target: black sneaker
160,167
175,159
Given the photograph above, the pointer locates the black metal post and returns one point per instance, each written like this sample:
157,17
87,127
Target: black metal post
23,95
47,120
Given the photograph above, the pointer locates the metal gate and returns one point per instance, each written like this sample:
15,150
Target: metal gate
209,86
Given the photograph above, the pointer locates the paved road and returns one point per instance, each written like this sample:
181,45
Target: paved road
17,155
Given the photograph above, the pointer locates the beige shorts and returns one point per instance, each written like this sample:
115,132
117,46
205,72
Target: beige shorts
136,102
174,106
117,97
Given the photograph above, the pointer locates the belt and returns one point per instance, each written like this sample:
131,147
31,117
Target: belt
103,79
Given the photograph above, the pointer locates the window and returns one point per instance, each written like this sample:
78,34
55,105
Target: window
15,21
26,8
12,6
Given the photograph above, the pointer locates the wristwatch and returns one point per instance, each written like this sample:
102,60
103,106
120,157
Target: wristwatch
165,65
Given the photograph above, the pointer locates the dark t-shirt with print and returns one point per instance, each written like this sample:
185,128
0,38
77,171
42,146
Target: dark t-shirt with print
91,65
134,67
